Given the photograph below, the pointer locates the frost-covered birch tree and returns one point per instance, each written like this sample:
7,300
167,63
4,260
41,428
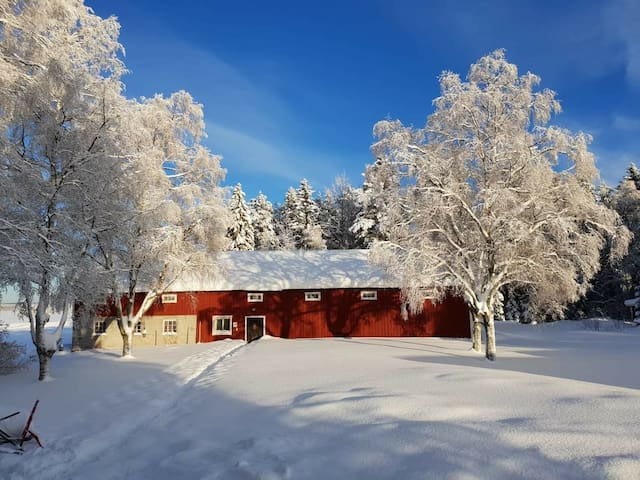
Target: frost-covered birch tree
241,232
166,216
492,195
264,233
58,66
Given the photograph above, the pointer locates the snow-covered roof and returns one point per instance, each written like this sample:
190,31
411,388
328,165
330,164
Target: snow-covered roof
290,270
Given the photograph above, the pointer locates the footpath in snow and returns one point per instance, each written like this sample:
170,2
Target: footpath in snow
98,401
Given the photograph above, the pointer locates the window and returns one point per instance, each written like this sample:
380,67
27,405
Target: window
170,327
222,324
138,329
368,295
254,297
169,298
99,327
312,296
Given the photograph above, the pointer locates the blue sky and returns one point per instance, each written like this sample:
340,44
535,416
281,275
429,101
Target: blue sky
293,89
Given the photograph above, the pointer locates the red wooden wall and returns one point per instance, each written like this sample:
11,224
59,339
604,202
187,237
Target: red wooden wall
339,313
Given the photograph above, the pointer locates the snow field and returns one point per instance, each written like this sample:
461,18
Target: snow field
560,402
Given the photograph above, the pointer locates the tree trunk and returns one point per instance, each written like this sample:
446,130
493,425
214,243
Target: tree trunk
39,340
490,330
127,341
477,334
44,359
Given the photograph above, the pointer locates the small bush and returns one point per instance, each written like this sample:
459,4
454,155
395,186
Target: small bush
12,355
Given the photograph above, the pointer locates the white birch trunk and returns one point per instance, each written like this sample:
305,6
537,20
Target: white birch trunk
127,339
476,334
490,330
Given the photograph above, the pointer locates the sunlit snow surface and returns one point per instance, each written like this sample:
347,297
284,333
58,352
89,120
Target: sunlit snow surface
561,401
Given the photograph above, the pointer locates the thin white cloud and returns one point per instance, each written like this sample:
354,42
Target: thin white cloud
248,123
624,23
245,153
170,63
626,123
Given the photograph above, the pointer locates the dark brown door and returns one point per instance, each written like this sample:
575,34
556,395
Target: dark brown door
255,328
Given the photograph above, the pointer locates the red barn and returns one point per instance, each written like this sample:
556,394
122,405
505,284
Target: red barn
290,294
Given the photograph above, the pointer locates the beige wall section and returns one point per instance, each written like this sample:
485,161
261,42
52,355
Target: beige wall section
153,336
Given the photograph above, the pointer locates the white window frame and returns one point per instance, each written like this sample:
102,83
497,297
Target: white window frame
104,327
138,328
312,296
214,321
164,326
169,298
370,295
254,297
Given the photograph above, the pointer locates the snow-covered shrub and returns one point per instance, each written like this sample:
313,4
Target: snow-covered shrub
12,355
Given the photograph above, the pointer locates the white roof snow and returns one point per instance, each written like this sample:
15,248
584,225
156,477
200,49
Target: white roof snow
290,270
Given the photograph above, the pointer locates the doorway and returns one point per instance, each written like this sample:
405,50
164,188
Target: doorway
253,328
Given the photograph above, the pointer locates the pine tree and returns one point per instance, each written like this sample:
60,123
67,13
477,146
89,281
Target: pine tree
298,220
516,305
263,225
633,174
616,281
379,179
338,212
241,231
310,233
307,208
286,220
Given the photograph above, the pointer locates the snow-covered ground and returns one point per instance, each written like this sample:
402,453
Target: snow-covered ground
561,401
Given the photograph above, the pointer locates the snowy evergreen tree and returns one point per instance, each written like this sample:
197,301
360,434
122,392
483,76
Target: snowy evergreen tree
298,220
633,174
240,232
312,239
307,214
616,281
264,233
380,178
309,234
516,304
286,220
338,211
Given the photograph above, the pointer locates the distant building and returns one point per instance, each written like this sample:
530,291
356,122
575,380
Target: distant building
288,294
